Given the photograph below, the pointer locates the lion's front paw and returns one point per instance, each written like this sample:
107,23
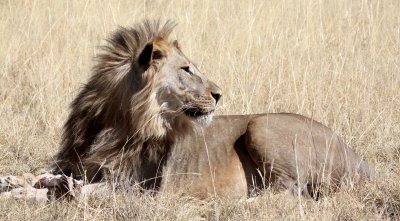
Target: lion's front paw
60,185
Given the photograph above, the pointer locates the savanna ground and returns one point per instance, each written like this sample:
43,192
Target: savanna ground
335,61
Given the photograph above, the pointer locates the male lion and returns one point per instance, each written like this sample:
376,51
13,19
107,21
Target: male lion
146,117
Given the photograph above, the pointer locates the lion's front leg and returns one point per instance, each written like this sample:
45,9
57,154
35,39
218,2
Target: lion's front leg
8,183
45,187
21,187
62,186
27,193
39,188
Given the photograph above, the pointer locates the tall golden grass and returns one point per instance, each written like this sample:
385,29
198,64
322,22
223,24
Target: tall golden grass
336,61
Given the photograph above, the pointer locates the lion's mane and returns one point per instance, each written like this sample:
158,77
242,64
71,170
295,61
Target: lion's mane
114,121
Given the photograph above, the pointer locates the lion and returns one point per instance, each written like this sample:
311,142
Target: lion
146,117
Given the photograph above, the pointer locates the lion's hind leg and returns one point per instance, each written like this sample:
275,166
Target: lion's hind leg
276,161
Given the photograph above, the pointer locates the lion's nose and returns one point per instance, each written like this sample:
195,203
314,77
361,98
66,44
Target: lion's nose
215,91
216,96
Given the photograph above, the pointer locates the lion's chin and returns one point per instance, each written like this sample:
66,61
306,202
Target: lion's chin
205,120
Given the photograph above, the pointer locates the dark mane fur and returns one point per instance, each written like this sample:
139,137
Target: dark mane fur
110,125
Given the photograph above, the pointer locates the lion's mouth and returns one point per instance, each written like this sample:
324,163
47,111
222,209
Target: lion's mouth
197,112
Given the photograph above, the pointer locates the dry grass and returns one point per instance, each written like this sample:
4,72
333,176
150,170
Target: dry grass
335,61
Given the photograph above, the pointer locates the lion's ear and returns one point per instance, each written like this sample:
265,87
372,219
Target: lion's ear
146,54
152,51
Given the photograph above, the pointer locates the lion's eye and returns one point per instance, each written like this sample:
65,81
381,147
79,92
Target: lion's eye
187,69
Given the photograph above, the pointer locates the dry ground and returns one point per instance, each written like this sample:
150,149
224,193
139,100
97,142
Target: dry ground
336,61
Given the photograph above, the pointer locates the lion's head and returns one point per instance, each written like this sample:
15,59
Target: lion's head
165,88
178,92
144,91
